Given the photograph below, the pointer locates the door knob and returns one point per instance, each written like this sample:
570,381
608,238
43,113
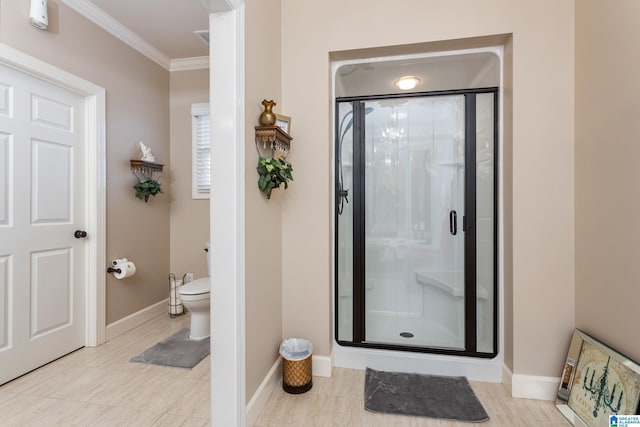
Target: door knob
80,234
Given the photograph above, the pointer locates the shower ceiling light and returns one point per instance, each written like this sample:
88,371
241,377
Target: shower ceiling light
406,82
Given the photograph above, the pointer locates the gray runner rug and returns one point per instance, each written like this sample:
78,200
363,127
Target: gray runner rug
177,351
449,398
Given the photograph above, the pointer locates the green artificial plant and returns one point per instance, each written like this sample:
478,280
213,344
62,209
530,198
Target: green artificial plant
273,172
147,187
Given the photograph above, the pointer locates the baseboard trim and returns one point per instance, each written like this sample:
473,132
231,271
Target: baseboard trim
321,366
475,369
136,319
262,394
530,386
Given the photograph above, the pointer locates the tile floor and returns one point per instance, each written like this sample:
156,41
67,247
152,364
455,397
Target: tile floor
338,401
99,387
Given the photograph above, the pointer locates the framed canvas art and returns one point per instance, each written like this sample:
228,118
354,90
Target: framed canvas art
597,382
284,122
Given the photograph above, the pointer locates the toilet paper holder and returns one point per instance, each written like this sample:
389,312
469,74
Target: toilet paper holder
112,268
176,308
121,268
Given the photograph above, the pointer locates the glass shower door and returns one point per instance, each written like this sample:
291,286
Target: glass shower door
414,179
416,222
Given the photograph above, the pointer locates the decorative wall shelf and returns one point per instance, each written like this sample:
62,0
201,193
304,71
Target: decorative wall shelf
273,145
272,141
143,169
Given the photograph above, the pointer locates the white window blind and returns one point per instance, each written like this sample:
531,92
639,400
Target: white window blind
201,151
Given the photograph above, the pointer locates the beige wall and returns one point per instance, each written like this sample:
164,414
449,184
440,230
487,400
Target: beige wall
189,217
137,109
540,306
263,218
607,172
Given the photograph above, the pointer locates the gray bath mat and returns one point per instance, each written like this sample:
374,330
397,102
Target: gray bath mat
177,351
449,398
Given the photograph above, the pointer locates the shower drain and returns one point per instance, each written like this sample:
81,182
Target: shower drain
406,334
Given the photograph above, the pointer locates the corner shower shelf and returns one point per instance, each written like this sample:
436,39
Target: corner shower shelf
446,281
455,164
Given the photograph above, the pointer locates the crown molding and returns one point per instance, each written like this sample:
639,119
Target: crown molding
185,64
214,6
105,21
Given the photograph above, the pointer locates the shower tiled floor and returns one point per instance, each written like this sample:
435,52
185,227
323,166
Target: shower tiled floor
99,387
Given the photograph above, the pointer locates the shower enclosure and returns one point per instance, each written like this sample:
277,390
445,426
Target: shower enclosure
416,222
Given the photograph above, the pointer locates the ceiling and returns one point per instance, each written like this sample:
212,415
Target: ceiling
445,72
163,30
167,25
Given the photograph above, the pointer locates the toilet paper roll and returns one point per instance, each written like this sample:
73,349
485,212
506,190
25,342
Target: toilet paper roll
175,303
127,268
175,292
118,261
176,284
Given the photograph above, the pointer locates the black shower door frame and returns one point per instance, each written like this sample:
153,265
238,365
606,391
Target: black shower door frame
469,224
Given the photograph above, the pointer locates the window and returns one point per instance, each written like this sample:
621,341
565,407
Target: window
200,151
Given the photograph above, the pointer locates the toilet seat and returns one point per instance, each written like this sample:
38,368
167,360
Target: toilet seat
197,287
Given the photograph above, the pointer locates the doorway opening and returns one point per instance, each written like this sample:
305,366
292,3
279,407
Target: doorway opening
92,328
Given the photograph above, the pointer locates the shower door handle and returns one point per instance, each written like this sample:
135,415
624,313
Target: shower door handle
453,223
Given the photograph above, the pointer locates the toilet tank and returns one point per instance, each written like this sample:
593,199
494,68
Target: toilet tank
207,251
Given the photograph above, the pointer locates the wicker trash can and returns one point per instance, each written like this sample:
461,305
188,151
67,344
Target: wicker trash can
296,365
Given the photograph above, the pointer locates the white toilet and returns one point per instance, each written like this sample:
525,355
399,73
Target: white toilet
195,296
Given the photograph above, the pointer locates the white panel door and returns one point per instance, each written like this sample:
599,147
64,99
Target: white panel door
42,191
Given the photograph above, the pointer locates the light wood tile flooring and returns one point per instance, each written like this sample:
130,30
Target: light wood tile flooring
99,387
339,401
